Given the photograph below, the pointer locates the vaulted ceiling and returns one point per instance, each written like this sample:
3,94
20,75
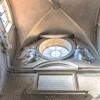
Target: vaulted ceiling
33,17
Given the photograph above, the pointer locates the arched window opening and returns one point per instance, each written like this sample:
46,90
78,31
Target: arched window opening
5,16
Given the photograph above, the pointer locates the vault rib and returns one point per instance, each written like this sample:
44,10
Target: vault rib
83,32
37,25
51,1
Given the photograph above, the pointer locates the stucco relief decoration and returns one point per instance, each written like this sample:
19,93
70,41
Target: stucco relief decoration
28,55
56,5
96,98
83,54
5,45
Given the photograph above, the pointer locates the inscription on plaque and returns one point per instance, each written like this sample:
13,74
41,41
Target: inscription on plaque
55,82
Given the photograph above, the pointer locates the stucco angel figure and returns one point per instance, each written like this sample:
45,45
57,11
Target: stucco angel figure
78,55
88,54
83,54
28,55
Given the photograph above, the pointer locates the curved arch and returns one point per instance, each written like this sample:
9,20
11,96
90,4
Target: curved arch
58,65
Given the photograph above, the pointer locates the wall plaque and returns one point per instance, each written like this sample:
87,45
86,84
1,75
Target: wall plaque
55,82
